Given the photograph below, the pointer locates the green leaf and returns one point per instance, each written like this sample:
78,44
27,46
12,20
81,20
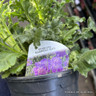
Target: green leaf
84,50
14,70
5,74
17,68
85,63
77,19
86,33
68,1
91,24
69,33
7,60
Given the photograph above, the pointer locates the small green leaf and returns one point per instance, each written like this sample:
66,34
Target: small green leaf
17,68
91,24
86,33
78,19
5,74
68,34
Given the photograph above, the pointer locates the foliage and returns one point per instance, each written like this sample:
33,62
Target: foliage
46,21
86,62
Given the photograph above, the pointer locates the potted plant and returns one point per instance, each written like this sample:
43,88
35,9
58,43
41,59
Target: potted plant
46,21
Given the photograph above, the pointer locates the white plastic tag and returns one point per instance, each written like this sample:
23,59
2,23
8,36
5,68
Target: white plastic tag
49,57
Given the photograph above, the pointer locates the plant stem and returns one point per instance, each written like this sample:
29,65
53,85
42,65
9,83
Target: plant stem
21,45
11,37
27,15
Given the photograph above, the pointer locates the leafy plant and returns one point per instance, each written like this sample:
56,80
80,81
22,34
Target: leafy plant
46,21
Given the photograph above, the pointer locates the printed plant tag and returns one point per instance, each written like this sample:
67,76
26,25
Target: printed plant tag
49,57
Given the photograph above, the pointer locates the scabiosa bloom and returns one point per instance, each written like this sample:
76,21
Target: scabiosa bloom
45,63
61,53
38,64
29,62
57,68
39,71
56,63
56,60
42,70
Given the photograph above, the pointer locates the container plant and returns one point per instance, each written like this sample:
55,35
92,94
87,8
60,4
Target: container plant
46,21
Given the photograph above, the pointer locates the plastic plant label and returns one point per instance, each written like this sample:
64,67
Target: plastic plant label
49,57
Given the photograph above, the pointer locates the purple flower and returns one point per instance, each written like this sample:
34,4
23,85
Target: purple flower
43,62
38,64
56,63
39,71
29,62
60,69
65,64
61,53
57,68
35,71
42,71
46,63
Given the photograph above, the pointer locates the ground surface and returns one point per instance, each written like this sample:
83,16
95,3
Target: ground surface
86,87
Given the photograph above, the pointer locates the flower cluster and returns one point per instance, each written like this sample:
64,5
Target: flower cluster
55,64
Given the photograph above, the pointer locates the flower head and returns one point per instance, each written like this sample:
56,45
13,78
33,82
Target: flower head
56,63
44,62
61,53
39,71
